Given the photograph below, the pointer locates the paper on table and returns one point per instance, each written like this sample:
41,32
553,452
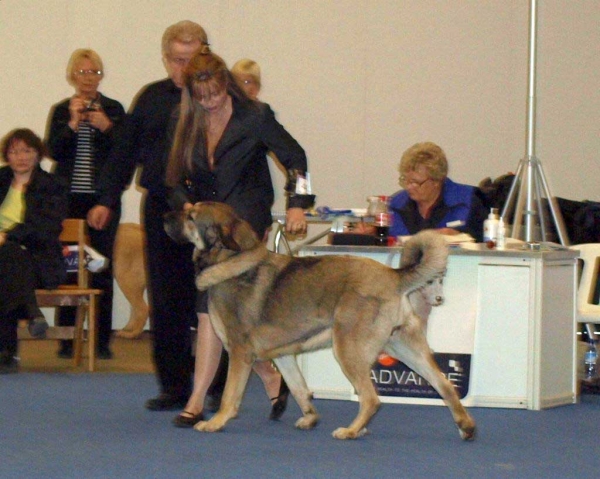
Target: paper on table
450,239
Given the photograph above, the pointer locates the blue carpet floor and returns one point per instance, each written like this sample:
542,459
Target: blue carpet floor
95,426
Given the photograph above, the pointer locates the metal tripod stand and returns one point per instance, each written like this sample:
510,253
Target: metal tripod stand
530,211
530,181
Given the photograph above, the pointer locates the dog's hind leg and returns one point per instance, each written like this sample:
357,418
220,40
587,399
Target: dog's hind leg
355,361
413,350
237,379
288,367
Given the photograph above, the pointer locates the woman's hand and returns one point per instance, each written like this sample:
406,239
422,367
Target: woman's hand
76,108
295,222
2,238
99,216
99,120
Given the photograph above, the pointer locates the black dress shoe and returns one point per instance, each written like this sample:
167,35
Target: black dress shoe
8,363
37,327
280,404
166,402
37,322
190,420
104,353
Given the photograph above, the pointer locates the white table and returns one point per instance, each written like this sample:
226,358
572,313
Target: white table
511,314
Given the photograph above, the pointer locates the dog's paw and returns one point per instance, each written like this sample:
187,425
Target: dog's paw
128,334
207,426
307,422
347,433
467,434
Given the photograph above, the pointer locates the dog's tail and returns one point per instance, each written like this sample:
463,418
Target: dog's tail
424,258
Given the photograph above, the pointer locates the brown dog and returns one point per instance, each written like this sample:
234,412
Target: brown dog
129,269
270,306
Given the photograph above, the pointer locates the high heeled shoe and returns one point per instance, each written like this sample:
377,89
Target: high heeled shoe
280,404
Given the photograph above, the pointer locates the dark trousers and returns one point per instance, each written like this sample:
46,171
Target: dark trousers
171,293
103,241
17,292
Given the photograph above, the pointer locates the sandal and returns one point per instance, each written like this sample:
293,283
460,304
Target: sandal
187,421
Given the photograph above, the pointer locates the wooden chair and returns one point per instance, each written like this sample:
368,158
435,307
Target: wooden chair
78,294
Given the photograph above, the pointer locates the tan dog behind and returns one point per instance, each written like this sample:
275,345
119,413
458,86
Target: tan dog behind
129,269
270,306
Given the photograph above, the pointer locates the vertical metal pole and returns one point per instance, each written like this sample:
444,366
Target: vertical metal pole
530,149
530,168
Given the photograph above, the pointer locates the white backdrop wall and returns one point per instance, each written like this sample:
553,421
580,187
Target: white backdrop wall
355,81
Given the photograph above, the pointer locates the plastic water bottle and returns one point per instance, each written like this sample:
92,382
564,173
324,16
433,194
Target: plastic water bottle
590,371
490,228
501,235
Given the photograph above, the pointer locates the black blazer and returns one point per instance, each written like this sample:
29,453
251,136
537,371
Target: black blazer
62,141
241,176
45,209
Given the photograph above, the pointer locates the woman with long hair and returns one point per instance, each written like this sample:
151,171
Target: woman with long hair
219,154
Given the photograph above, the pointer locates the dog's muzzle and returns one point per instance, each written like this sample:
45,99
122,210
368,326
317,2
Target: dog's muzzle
173,224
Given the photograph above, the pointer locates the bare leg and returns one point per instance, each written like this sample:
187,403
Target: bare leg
270,377
208,354
266,371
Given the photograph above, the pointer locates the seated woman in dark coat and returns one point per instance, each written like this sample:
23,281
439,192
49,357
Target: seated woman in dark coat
33,204
431,200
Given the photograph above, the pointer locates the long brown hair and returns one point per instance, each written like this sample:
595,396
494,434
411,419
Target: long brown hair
204,68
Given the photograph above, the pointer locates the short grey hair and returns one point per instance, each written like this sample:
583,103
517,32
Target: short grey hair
426,154
185,31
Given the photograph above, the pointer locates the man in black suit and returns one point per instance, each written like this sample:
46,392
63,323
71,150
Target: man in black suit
143,140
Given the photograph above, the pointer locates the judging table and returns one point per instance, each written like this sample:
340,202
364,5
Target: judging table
505,335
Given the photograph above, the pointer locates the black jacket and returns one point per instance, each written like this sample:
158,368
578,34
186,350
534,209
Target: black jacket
62,141
142,140
241,176
45,209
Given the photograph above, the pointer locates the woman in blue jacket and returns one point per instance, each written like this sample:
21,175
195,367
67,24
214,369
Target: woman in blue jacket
431,200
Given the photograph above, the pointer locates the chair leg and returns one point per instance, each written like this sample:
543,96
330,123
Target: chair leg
92,333
78,335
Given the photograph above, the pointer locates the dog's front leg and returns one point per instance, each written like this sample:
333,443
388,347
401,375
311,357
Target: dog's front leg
237,378
288,367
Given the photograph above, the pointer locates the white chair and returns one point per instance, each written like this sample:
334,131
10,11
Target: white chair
588,312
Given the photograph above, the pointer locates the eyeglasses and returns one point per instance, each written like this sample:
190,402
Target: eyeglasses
26,151
406,183
87,73
180,62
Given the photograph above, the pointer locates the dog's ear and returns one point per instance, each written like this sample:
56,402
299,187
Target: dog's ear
211,235
241,236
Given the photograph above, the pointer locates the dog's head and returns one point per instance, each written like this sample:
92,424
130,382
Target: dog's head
211,227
